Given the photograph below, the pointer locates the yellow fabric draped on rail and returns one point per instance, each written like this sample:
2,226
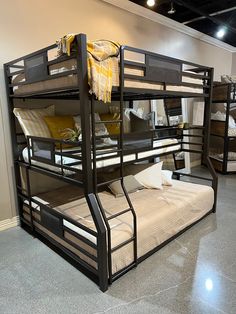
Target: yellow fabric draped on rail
100,72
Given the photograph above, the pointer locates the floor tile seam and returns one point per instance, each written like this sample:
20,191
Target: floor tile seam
145,296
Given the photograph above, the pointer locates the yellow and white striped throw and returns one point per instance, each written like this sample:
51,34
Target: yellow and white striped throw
100,64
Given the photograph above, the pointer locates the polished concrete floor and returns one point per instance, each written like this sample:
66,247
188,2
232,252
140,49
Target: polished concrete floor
194,274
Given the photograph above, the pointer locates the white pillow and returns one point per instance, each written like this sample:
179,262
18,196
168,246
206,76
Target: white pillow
166,176
151,177
231,122
32,122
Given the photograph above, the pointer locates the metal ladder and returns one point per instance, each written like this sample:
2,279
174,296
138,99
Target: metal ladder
107,219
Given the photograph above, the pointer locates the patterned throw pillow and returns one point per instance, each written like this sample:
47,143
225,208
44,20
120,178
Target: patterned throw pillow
32,122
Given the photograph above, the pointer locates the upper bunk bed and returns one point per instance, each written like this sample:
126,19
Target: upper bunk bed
138,73
147,76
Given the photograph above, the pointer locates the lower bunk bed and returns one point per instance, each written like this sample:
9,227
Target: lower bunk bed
161,216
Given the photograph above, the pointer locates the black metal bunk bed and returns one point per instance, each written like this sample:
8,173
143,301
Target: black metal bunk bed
158,69
223,137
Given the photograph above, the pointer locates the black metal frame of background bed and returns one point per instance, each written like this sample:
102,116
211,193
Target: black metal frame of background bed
228,100
53,220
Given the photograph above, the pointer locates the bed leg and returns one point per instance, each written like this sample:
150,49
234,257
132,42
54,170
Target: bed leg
102,262
103,286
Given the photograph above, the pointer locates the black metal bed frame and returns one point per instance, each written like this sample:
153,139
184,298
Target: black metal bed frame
228,99
157,69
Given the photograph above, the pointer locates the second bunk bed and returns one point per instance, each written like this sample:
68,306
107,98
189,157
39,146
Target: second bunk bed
103,234
223,127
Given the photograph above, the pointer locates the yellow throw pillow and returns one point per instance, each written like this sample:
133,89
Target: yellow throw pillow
58,125
112,128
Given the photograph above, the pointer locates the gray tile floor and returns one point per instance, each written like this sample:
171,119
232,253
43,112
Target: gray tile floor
194,274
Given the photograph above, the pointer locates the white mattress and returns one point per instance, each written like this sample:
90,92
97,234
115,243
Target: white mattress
113,160
71,80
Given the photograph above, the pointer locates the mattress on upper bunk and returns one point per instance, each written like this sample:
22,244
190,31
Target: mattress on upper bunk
160,215
70,81
158,149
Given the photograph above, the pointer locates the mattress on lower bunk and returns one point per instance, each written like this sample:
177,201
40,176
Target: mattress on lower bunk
158,149
70,81
160,215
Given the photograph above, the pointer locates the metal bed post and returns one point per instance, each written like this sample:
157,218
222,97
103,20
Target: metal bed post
29,197
82,68
108,252
226,133
168,123
207,116
14,143
207,124
122,56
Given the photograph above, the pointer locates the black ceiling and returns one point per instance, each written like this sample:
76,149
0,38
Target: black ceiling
203,15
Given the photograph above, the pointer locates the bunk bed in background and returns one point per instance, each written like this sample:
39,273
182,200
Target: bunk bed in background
223,128
106,236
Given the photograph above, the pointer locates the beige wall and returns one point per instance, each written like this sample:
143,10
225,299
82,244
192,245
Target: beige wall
27,25
234,64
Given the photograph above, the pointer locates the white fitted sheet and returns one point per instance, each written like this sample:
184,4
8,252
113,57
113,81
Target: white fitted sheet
113,160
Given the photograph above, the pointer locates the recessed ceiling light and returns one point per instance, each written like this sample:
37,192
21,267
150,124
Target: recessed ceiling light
151,3
221,33
172,9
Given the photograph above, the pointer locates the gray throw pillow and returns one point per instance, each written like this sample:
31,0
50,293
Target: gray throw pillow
130,183
146,123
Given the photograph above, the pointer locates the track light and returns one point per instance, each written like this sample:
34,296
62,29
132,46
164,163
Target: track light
221,33
151,3
172,9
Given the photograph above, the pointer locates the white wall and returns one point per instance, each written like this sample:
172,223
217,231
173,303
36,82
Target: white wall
234,64
28,25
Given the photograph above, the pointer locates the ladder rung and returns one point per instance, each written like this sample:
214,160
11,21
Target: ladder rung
124,270
108,121
122,244
108,182
119,214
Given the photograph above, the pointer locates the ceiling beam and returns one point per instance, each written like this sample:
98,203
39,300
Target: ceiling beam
212,14
205,15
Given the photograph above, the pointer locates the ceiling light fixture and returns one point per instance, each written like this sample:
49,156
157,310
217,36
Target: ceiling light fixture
221,33
151,3
172,9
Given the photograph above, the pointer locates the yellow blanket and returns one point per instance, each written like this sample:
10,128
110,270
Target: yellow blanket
100,54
